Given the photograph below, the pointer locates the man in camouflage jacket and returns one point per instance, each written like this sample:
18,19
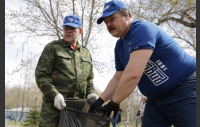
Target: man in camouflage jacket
64,70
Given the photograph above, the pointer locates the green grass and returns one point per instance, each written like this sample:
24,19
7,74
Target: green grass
13,123
118,125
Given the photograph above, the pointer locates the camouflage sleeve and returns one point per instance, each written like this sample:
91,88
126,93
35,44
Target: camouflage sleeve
90,85
43,72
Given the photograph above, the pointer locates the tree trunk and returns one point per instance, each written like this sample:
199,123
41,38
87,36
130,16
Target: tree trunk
22,113
73,7
128,111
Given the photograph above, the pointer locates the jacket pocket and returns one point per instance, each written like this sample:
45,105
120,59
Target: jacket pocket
86,63
64,59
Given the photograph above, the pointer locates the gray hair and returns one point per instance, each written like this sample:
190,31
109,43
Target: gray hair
123,12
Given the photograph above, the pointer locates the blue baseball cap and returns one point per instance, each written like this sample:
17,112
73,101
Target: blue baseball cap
72,20
110,8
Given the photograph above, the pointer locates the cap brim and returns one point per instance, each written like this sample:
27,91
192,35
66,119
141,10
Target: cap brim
70,24
100,20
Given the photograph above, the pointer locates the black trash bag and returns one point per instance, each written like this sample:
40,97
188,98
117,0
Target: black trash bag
75,115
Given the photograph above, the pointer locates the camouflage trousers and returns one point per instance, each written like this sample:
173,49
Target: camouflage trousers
49,115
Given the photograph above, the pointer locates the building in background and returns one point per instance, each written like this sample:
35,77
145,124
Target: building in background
13,113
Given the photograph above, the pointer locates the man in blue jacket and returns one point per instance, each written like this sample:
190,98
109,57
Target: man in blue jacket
147,57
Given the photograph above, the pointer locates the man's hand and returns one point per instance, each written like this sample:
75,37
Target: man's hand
118,122
108,108
138,113
98,103
59,101
91,98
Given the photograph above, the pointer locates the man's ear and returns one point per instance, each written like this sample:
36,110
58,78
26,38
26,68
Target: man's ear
127,16
80,31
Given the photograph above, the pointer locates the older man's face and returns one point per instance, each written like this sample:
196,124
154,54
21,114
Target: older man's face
71,34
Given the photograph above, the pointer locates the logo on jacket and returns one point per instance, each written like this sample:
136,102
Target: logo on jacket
155,74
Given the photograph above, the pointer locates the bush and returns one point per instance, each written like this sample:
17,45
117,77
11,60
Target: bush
33,117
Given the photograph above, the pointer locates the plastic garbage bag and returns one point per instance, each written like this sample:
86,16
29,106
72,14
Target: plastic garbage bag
75,115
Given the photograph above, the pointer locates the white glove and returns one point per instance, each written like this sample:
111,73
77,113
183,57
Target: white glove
59,101
91,98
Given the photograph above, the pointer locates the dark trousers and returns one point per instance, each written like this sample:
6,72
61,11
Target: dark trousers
177,108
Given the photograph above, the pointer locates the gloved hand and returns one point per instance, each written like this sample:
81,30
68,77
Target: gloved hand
138,113
91,98
108,108
98,103
59,101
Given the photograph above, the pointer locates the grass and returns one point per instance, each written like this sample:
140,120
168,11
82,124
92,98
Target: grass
12,123
123,124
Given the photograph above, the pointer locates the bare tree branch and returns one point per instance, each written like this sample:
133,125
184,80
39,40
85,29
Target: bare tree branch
188,24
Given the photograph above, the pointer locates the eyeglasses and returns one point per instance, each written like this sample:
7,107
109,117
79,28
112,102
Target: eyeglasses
69,28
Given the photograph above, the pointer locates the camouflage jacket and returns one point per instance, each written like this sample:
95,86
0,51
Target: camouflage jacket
61,69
